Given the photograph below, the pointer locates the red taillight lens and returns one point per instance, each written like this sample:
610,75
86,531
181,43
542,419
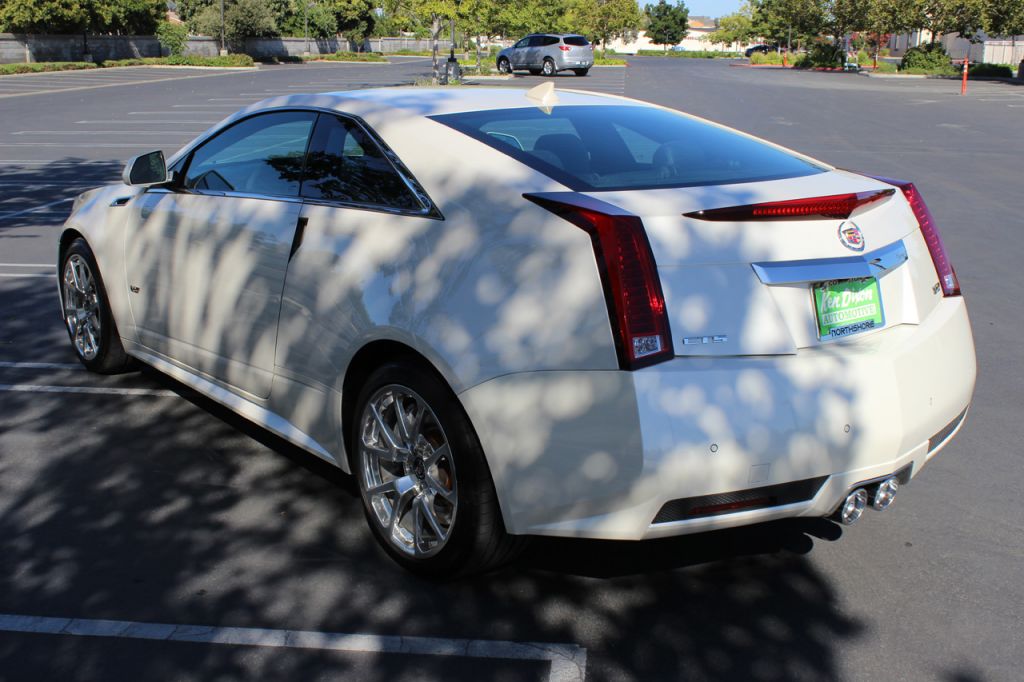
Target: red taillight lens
833,206
947,275
564,48
630,279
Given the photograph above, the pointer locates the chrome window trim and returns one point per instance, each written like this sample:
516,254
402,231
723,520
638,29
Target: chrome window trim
874,264
428,209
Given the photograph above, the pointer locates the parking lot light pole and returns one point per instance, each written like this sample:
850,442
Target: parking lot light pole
223,47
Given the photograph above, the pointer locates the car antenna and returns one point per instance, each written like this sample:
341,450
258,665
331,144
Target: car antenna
544,95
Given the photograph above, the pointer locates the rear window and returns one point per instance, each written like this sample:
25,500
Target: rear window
579,41
593,148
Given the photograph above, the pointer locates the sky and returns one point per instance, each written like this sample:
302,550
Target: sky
712,8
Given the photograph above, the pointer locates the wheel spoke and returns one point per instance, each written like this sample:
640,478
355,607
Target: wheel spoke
388,436
386,487
75,278
435,457
435,525
403,424
406,490
439,488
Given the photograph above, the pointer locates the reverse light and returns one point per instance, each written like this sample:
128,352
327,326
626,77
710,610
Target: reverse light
947,275
629,276
832,206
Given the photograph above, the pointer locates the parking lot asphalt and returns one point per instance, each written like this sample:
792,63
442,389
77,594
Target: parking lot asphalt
131,499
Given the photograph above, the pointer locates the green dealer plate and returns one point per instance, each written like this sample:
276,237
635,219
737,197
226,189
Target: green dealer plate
846,307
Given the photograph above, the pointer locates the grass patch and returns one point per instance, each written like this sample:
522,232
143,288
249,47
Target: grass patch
886,67
41,67
348,57
416,53
609,61
932,71
470,65
689,54
773,58
227,61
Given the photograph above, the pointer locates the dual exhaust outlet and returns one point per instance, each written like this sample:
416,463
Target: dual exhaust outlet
881,495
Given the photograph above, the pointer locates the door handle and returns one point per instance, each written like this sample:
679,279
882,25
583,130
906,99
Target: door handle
300,230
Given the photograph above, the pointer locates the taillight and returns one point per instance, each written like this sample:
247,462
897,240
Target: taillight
564,48
629,275
833,206
947,275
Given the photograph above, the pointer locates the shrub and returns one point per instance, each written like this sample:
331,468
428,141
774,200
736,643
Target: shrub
230,60
863,58
39,67
174,37
930,58
342,56
821,55
690,54
766,58
991,70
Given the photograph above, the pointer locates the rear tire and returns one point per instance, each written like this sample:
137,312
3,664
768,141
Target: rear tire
549,69
426,488
87,315
580,72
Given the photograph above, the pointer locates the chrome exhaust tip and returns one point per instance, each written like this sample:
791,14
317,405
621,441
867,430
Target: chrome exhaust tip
853,507
885,493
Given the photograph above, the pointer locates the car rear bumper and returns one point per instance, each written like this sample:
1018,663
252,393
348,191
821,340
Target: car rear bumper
603,454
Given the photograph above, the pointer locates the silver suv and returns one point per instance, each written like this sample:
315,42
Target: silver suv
548,53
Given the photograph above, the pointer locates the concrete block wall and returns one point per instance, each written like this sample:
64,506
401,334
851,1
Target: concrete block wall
19,47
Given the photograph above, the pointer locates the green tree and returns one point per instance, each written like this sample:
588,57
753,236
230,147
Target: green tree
667,24
737,27
249,19
355,19
174,37
947,16
604,20
1004,18
81,16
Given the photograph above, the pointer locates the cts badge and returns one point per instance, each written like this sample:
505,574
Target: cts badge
851,236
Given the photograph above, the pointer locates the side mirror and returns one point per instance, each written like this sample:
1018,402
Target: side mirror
145,169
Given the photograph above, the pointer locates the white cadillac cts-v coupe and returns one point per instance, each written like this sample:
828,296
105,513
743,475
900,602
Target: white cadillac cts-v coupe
515,313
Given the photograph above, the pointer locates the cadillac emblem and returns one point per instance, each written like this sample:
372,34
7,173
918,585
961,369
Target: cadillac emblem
851,236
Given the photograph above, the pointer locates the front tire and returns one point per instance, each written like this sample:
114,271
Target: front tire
86,312
426,488
548,69
504,66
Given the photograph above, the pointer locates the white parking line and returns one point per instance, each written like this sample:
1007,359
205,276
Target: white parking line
95,390
21,274
40,365
36,208
148,120
50,133
568,661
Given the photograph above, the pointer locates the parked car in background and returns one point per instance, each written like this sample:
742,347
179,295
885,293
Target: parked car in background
548,53
763,49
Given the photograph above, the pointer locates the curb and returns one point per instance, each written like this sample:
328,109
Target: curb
892,75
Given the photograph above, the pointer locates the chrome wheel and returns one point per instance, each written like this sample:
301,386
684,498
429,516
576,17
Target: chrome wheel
81,306
407,475
549,68
504,67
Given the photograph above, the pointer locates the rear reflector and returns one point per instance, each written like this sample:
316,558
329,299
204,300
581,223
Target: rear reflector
833,206
629,276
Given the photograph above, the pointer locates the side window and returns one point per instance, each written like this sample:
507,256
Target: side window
522,43
260,155
537,41
344,164
550,40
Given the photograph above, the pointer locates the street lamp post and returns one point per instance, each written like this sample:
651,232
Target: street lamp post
305,21
223,47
